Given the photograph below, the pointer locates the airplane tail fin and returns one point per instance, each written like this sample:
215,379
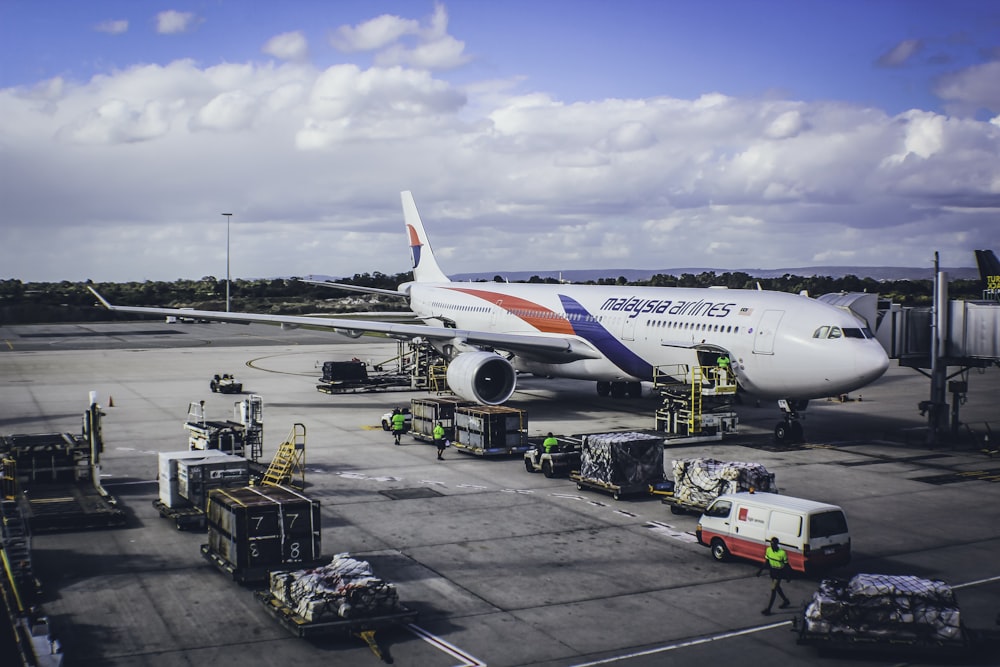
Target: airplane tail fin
425,267
989,271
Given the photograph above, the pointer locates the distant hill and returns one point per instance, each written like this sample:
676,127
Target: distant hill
874,272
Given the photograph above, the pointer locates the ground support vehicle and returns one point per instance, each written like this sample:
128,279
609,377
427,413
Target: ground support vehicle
387,420
225,384
364,628
350,377
891,615
56,478
184,518
564,458
617,491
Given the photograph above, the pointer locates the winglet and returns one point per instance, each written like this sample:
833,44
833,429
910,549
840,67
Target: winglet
104,302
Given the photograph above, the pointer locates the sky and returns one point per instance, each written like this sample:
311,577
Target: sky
546,135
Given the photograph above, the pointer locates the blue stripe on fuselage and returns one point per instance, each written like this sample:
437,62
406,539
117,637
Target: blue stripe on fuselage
587,327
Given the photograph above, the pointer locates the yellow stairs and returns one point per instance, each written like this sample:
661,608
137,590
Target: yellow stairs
289,461
694,410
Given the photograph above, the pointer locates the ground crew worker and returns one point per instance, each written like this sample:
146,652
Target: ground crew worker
398,424
775,560
723,363
550,443
439,439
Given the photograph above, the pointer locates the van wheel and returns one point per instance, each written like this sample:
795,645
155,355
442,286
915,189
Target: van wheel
719,550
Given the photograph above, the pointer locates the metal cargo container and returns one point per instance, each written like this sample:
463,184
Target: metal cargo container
257,528
196,477
426,412
170,494
491,429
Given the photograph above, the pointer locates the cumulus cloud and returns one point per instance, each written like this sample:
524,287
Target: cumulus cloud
971,89
172,22
900,54
433,49
288,46
112,27
311,160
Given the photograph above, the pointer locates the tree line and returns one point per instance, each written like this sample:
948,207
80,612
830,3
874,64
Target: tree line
66,301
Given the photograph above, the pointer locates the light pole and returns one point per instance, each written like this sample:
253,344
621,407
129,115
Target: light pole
228,218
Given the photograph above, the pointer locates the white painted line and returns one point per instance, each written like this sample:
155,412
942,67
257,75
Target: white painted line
433,482
472,486
450,649
989,580
693,642
626,513
522,491
670,531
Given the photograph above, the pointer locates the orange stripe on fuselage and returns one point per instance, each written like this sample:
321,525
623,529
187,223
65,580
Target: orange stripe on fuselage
557,323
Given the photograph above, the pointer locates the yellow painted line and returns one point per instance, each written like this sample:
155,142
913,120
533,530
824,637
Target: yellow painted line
9,344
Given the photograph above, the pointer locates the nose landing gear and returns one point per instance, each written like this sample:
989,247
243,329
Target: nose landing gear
790,428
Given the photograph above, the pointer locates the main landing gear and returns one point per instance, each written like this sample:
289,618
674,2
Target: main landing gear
790,428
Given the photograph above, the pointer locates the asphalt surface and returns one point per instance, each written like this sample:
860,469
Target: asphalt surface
504,567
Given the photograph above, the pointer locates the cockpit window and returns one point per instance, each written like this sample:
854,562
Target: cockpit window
846,332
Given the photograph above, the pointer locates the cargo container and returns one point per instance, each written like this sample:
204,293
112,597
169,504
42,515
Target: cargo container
196,477
426,412
620,463
491,430
255,529
170,493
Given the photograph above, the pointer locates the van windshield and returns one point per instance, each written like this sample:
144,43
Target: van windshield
826,524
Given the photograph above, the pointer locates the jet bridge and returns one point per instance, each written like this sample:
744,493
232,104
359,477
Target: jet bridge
943,342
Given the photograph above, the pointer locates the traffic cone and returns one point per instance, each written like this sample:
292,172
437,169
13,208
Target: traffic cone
111,401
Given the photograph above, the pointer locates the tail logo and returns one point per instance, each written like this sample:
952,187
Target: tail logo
415,245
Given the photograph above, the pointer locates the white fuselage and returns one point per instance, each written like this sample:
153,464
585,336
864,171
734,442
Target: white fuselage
782,345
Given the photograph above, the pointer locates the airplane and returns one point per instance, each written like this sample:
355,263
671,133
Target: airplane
989,271
782,346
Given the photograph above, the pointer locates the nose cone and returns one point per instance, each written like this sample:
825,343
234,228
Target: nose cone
870,363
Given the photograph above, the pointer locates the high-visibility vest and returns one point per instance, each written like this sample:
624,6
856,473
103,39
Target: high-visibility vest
776,558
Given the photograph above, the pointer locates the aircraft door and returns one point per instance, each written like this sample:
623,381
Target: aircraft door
628,329
763,341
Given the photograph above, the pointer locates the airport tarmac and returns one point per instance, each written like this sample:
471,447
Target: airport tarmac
504,567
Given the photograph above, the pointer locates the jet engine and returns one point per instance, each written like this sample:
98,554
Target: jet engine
484,377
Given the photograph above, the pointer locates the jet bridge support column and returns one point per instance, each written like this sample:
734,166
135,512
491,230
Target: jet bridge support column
937,415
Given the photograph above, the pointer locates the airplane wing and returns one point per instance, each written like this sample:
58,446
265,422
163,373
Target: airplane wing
553,349
354,288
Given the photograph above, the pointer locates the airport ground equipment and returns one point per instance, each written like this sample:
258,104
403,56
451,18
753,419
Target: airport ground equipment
564,457
225,384
622,464
241,436
288,467
699,481
257,529
20,591
56,477
897,615
386,420
416,366
490,430
697,402
426,412
342,597
186,478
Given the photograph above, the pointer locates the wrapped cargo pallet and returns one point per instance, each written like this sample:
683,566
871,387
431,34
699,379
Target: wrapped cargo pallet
890,607
345,588
622,459
697,482
263,527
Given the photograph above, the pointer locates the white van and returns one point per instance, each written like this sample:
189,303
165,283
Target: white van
741,524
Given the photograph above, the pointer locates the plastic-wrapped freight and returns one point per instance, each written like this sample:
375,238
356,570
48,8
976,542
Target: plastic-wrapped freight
699,481
622,459
896,607
346,588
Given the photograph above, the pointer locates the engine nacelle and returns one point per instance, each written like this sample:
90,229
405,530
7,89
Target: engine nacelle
484,377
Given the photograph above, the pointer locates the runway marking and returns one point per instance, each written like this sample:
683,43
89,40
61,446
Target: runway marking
730,635
146,481
670,531
522,491
691,642
472,486
626,513
442,645
431,481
